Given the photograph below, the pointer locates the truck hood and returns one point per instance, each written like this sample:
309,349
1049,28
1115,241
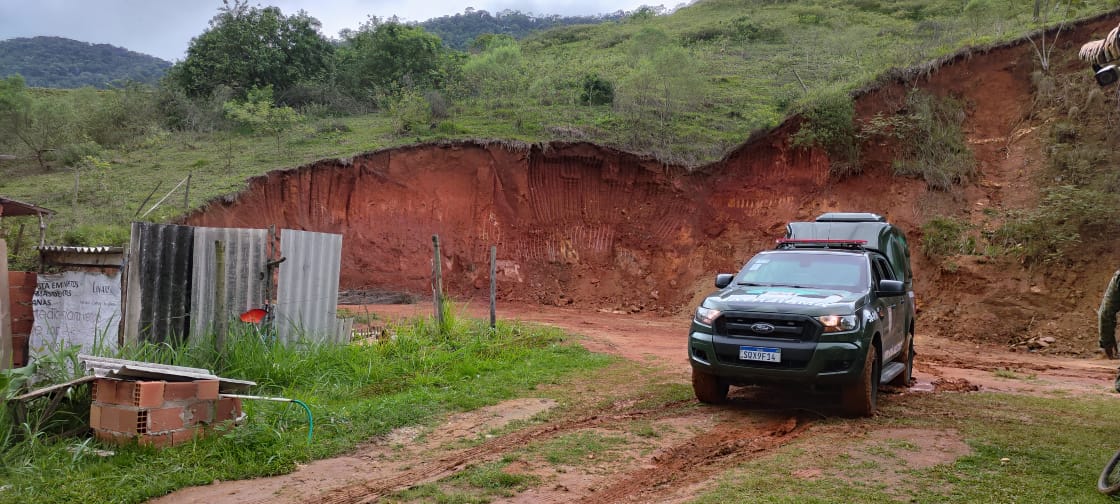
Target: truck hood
802,301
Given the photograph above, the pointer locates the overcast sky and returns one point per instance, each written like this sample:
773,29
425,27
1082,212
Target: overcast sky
163,28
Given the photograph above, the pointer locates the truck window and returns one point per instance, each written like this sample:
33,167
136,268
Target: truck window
806,269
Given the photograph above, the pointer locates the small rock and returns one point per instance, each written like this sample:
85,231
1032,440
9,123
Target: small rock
1048,339
1004,461
1036,289
1043,344
654,295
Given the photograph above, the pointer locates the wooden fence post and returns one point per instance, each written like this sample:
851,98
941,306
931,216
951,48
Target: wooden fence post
437,282
493,286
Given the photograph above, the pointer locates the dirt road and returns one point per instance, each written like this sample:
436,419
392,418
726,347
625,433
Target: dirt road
663,451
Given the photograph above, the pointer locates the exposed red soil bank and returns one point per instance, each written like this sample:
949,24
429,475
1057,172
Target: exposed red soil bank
598,228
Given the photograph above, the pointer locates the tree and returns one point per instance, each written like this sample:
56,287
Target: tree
658,88
42,125
382,58
247,47
258,113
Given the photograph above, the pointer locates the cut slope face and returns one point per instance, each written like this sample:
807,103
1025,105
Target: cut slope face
573,223
596,228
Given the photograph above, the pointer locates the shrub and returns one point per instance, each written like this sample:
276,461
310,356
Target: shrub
933,143
946,236
596,91
96,235
828,124
410,112
1065,214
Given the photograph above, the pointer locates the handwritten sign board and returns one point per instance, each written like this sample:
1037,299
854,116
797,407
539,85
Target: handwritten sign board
76,308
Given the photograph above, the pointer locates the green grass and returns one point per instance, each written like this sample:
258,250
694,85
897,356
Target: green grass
1055,448
355,392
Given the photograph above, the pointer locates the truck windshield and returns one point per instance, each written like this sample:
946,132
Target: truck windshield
806,269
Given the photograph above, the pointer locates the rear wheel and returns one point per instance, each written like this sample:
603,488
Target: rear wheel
708,388
1109,482
861,398
903,379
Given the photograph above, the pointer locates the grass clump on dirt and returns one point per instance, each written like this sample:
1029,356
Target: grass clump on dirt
1005,460
355,391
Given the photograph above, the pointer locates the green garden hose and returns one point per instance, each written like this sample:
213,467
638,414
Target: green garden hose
310,419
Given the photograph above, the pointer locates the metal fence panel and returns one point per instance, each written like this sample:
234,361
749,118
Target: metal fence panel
244,289
158,291
307,292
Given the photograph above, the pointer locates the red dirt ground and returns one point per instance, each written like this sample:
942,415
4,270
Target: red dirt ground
618,248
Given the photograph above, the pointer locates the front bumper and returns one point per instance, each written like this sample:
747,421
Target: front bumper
804,362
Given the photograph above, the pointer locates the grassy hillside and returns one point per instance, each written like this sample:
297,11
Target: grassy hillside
58,62
686,87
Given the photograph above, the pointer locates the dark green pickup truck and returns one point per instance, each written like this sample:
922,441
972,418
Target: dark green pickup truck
832,306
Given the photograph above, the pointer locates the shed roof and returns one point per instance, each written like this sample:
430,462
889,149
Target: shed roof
12,208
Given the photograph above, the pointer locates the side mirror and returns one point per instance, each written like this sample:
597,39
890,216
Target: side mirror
891,288
723,280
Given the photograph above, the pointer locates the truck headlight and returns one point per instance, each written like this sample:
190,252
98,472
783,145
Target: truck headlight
838,323
706,316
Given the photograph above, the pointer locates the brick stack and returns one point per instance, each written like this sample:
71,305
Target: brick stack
157,413
21,288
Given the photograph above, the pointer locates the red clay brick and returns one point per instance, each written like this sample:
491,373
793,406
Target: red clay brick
199,413
18,279
21,311
111,437
123,419
207,389
179,391
22,328
95,417
105,390
228,408
156,440
165,419
145,394
186,435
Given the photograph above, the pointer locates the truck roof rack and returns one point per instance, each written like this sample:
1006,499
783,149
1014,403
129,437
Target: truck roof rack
786,243
851,217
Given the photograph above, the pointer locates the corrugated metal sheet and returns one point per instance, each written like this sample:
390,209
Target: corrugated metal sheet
245,257
158,288
307,294
81,250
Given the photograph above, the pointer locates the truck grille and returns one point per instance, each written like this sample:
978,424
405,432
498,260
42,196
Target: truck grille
750,325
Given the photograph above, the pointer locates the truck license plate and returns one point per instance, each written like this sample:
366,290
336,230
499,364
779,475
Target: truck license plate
760,354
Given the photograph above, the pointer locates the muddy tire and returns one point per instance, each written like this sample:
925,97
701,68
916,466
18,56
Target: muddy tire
904,378
708,388
1109,482
861,398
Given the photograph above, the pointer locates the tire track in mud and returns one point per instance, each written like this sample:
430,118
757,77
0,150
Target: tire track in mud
427,472
698,459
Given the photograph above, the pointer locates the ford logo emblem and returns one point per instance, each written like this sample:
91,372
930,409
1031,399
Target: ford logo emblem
762,328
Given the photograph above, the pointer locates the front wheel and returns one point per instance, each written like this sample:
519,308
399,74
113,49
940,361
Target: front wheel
861,398
708,388
1109,482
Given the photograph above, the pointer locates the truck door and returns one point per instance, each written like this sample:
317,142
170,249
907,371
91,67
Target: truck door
894,312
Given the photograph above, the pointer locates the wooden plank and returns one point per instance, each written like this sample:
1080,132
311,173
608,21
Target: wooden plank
5,310
46,390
